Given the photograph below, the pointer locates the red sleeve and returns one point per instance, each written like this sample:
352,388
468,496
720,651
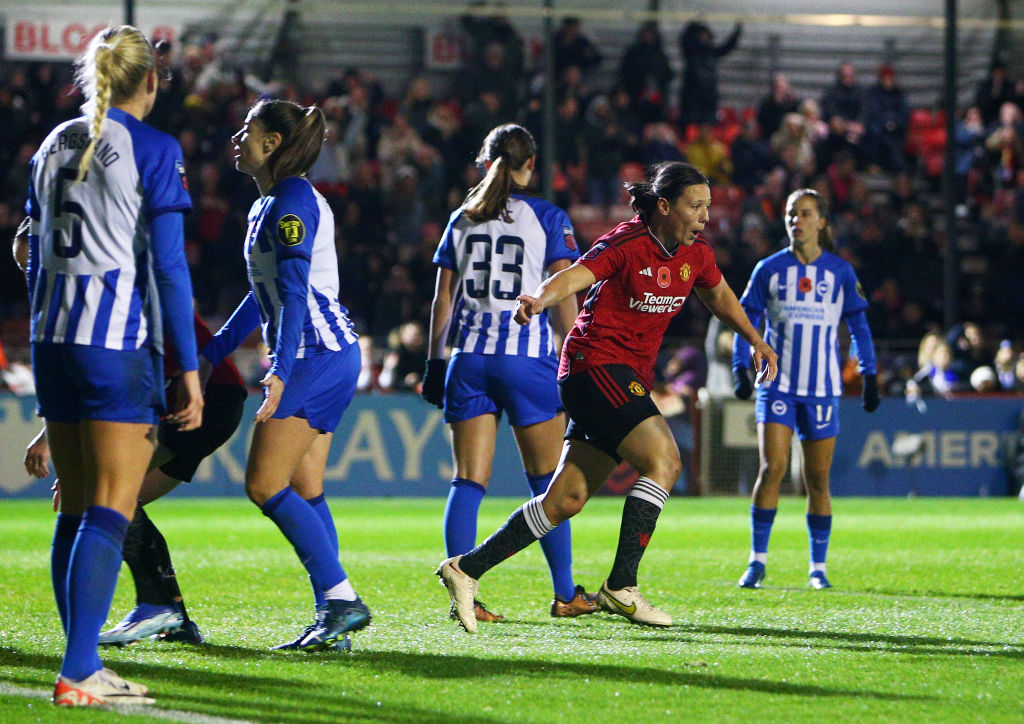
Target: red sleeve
710,274
602,259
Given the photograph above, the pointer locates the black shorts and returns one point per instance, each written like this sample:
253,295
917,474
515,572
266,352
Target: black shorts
222,411
604,404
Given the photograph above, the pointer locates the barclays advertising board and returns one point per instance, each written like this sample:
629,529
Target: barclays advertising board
386,445
396,445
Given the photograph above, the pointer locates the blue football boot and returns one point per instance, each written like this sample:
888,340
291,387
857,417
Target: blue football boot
753,576
818,581
340,618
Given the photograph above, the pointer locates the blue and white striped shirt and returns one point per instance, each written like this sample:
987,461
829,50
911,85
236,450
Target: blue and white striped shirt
804,304
93,281
294,222
496,262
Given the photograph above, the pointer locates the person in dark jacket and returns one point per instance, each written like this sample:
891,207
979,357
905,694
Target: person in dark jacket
698,100
888,115
645,71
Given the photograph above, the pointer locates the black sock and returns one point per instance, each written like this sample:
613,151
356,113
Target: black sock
527,524
145,552
639,517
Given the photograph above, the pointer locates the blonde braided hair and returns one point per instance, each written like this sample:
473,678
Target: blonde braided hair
109,72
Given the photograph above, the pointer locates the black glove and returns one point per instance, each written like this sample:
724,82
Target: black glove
433,382
869,395
741,384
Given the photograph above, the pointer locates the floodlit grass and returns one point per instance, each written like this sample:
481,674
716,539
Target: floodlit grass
925,623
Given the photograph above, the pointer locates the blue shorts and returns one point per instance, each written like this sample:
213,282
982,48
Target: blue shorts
813,418
77,382
321,388
481,384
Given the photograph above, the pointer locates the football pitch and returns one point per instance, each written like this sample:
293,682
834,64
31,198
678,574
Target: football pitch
925,623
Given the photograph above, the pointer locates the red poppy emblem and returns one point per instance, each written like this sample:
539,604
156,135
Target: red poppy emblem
664,277
805,285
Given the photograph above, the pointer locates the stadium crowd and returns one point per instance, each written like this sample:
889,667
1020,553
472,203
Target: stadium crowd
395,166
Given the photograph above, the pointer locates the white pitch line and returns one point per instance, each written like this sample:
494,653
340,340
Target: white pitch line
190,717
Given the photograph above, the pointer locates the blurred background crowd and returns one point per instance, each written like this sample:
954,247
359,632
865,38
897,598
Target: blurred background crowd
395,165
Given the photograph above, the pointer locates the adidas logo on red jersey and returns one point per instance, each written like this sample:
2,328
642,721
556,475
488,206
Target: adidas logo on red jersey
646,272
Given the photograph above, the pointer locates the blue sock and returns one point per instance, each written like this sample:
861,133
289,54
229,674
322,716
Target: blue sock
819,527
60,556
761,520
557,545
319,504
460,516
305,531
92,577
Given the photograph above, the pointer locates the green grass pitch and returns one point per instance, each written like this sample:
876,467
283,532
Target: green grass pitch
925,623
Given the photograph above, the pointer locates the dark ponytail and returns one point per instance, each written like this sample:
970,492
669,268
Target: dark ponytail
667,180
507,148
302,134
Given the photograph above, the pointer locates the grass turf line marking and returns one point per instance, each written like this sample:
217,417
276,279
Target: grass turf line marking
141,710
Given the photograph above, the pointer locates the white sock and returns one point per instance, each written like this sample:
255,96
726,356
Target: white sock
761,558
536,519
817,567
341,592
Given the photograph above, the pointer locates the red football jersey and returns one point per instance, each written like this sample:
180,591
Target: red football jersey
223,374
640,287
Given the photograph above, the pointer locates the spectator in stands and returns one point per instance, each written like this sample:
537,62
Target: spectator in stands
417,103
698,95
405,359
496,28
902,192
939,377
765,207
774,106
356,126
842,108
751,157
993,91
1005,146
494,44
1018,372
709,155
791,144
606,140
483,113
398,145
969,347
810,109
887,119
645,71
1003,364
841,174
660,143
969,138
497,73
626,114
572,48
569,146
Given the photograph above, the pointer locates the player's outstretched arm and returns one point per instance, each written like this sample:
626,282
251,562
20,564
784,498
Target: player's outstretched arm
552,291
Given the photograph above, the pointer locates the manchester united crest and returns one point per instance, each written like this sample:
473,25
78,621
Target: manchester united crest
637,389
684,272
